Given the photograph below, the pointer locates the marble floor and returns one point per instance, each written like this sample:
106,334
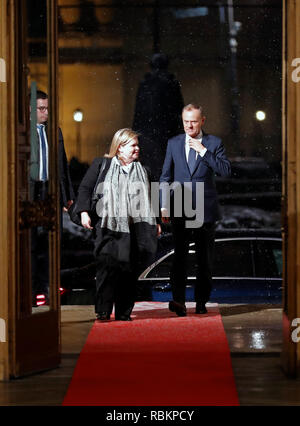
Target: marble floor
254,335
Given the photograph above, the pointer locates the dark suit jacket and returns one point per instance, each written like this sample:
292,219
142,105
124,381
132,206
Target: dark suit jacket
66,187
175,169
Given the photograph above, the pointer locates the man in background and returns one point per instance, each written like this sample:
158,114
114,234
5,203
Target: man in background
39,178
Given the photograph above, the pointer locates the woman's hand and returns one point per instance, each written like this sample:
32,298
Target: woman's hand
158,229
165,218
69,203
86,220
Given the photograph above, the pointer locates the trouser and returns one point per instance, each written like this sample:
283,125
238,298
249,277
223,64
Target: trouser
203,238
40,244
116,282
114,286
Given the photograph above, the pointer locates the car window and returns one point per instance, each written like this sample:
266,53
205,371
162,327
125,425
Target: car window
162,269
268,259
233,258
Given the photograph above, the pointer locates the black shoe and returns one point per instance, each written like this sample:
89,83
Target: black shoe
103,316
123,318
200,308
178,308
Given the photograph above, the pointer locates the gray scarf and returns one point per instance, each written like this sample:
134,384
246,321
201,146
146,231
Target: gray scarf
124,197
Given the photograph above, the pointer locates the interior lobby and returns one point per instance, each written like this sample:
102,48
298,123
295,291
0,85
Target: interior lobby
90,57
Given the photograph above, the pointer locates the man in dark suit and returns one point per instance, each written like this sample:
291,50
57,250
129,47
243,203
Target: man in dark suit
39,158
39,176
191,158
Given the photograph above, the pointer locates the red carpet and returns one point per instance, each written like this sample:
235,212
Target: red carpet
158,359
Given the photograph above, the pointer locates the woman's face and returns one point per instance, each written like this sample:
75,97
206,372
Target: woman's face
130,151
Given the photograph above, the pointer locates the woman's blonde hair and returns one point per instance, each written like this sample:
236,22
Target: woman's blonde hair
121,137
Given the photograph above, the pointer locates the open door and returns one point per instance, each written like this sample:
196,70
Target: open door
291,188
34,275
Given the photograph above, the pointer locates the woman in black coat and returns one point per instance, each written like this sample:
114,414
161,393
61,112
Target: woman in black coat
126,228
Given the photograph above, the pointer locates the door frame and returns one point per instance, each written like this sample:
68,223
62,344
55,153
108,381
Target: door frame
291,188
32,341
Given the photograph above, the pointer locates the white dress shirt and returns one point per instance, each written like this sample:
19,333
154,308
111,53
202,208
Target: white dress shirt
41,157
187,146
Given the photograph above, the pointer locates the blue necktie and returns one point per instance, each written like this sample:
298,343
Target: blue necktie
192,159
44,153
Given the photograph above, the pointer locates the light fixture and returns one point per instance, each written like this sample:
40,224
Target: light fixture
260,115
78,115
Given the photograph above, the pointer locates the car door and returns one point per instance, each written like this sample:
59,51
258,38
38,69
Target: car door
233,274
233,271
154,282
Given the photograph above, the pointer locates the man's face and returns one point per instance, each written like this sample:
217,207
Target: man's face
192,122
41,111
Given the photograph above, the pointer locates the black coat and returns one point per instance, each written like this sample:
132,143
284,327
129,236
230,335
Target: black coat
117,245
88,183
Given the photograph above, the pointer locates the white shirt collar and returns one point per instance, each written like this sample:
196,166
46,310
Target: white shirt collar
187,146
199,136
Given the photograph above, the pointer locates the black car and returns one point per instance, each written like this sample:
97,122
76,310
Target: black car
247,269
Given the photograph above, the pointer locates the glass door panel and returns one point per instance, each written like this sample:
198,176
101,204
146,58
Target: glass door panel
36,334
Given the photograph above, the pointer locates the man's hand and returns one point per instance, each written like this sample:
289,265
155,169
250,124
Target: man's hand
165,218
69,203
86,220
196,145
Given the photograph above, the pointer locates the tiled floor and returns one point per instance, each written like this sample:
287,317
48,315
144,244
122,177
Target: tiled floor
254,336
